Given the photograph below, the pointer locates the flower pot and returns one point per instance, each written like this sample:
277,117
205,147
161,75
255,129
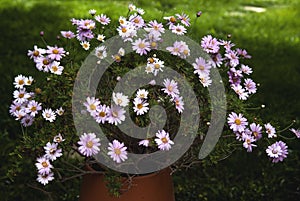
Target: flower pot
156,186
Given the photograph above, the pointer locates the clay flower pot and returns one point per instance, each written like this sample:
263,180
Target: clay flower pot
157,186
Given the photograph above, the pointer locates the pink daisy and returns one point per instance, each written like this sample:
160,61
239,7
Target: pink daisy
163,140
117,151
89,144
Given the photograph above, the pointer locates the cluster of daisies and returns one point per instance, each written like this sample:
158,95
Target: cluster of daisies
48,60
89,145
43,164
24,108
230,57
250,134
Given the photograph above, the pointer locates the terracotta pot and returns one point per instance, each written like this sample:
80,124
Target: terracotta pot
152,187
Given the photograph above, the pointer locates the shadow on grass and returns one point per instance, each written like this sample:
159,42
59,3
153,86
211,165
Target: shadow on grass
20,28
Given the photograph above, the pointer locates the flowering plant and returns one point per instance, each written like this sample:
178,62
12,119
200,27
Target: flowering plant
105,89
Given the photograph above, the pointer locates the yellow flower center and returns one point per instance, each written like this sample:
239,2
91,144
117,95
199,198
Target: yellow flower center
156,66
185,52
21,95
36,53
45,62
115,114
92,107
153,44
124,30
237,122
55,51
89,144
151,60
164,140
102,114
117,58
170,88
117,151
48,115
33,109
21,82
136,20
44,164
201,67
142,45
139,106
172,19
54,68
255,134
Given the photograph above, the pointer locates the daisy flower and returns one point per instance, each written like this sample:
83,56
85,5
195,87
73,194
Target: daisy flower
49,115
296,132
246,69
201,66
250,86
270,130
89,144
210,44
248,142
19,114
27,120
256,130
157,66
55,68
45,178
92,12
184,19
43,63
171,87
233,58
144,143
237,122
140,11
178,103
100,37
85,45
33,108
91,104
116,115
117,151
277,151
28,80
67,34
21,95
131,7
100,52
142,94
120,99
205,80
140,106
60,111
140,46
58,138
238,89
52,152
36,52
216,60
127,30
155,28
137,21
20,81
101,114
163,140
55,53
103,19
178,29
43,165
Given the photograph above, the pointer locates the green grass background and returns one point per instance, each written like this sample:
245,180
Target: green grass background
271,37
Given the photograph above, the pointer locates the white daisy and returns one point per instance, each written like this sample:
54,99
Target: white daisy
120,99
20,81
140,106
52,152
117,151
89,144
45,178
49,115
163,140
142,94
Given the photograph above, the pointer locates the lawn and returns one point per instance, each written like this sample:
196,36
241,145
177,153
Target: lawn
268,29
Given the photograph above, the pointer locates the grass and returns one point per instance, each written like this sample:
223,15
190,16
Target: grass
272,38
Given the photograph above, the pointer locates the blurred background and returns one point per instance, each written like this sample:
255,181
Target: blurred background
268,29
